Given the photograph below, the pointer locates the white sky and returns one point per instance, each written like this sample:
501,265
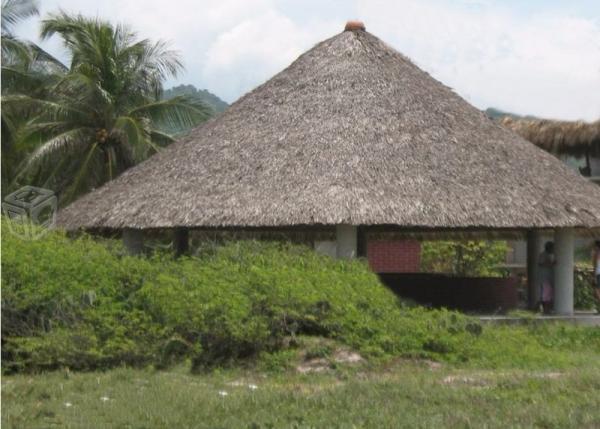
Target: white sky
539,57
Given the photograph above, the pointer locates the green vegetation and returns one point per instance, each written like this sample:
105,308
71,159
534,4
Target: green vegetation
275,335
72,128
84,305
584,298
464,258
404,394
26,69
494,113
204,96
200,96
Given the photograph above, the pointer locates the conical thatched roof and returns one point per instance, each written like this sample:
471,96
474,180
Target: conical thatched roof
351,132
575,138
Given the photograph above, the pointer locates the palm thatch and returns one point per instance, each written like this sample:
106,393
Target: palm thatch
351,132
559,137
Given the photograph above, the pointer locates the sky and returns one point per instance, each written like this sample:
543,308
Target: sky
538,57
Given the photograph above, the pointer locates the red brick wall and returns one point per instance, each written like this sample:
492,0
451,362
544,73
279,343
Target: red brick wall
394,256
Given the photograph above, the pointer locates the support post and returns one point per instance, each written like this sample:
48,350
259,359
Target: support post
361,242
346,241
564,250
534,247
133,240
181,241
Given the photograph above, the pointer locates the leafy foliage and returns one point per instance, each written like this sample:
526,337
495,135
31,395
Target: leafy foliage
26,69
14,11
463,258
88,122
201,96
584,298
205,96
83,304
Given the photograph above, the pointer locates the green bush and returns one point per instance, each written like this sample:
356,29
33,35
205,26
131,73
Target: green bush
584,298
464,258
82,304
68,303
249,296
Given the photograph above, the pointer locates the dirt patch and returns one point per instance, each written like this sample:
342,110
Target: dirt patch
313,365
548,375
322,364
347,356
432,365
454,380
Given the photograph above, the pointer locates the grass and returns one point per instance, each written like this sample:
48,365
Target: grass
261,314
403,393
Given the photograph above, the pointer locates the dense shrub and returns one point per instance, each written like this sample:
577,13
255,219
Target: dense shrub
464,258
584,288
68,303
83,304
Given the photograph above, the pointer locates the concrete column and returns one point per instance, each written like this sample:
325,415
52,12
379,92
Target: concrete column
181,241
346,241
133,240
564,250
534,248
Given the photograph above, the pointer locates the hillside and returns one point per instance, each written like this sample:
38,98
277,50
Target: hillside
202,95
494,113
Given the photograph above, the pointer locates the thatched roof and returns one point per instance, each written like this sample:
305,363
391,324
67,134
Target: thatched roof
559,137
351,132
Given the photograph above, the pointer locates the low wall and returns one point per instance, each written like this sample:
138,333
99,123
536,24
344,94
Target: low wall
476,294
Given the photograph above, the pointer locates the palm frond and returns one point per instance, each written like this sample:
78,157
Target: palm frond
82,172
101,114
15,11
160,138
45,60
51,109
177,112
58,143
132,135
13,77
15,51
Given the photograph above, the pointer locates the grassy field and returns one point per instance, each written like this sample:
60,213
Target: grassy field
277,310
401,394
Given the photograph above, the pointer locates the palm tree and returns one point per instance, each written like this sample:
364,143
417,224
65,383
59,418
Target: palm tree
26,68
13,12
105,113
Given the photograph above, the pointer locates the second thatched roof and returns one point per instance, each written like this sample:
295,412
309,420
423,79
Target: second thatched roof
575,138
351,132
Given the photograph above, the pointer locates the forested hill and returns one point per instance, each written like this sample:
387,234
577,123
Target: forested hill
494,113
207,97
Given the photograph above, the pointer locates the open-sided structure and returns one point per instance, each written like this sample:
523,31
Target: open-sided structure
576,139
352,135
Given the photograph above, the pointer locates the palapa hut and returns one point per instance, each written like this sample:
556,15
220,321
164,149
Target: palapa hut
352,136
563,138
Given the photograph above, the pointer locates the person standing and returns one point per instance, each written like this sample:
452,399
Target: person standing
546,262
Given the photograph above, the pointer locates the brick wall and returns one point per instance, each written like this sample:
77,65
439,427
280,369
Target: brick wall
394,256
